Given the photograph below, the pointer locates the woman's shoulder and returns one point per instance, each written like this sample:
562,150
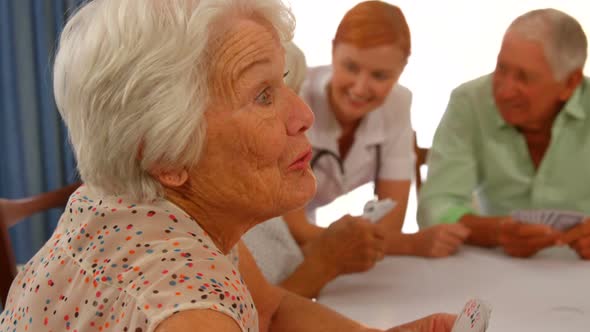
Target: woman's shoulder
400,93
315,81
158,254
397,104
138,235
318,71
136,227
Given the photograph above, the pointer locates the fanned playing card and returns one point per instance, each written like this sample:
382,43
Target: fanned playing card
558,219
474,317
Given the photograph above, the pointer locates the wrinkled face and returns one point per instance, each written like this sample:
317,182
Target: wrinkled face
362,78
256,157
525,90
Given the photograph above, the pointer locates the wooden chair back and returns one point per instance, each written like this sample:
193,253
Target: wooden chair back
421,154
12,211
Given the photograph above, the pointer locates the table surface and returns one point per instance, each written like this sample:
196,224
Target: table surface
549,292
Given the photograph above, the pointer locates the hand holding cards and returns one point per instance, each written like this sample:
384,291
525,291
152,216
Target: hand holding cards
474,317
557,219
375,210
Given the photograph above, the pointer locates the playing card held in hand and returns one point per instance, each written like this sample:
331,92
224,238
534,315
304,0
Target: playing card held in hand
557,219
474,317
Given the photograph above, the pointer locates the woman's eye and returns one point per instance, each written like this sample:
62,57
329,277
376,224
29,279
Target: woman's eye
381,76
351,67
265,97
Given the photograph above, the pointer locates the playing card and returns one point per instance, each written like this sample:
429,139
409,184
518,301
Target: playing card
375,210
526,216
567,220
558,219
474,317
550,217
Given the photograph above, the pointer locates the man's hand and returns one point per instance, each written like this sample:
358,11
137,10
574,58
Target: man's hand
432,323
525,240
351,244
578,238
440,240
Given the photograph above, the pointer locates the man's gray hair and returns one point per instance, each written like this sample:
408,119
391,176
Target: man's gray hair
563,39
130,82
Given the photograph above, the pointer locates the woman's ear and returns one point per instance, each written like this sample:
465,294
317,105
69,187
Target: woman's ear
171,178
167,177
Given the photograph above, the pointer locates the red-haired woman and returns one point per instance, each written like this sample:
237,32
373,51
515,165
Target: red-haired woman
362,133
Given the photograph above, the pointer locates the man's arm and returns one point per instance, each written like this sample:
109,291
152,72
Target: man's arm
485,231
578,238
446,195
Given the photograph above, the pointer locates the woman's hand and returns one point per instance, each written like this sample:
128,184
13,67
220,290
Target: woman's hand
432,323
440,240
351,244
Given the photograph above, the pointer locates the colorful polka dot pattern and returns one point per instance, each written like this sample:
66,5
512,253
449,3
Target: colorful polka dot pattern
116,266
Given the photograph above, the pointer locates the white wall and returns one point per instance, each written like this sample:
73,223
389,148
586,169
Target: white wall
453,41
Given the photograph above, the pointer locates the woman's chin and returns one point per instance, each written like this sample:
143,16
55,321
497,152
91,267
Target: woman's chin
302,193
309,187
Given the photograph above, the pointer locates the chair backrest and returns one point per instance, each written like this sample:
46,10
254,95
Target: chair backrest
421,154
12,211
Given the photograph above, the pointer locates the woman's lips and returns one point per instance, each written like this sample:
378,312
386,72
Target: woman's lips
302,161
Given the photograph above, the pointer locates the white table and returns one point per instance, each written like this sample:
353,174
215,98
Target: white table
548,293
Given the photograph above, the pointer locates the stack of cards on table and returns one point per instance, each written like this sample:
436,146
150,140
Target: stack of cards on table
558,219
474,317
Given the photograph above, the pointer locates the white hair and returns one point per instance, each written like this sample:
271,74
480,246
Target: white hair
130,81
296,66
562,37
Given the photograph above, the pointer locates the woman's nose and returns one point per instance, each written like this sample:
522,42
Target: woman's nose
300,116
361,85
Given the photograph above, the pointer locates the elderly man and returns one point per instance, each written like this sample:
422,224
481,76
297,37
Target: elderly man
516,139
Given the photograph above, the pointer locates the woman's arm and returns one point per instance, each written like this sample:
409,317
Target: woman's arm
398,191
301,229
309,277
198,320
280,310
437,241
350,244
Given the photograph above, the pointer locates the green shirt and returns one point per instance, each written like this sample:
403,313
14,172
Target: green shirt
475,152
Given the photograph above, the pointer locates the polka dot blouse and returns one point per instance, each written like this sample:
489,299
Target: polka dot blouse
112,265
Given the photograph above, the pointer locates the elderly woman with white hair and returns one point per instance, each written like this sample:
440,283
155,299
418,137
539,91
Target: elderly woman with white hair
170,107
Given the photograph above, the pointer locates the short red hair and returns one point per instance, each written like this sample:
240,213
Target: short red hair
374,23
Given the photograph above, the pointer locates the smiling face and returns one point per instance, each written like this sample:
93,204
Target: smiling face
256,157
525,90
362,78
